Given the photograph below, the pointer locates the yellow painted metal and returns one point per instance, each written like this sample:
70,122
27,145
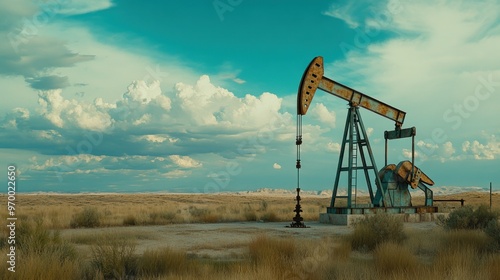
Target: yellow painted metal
404,170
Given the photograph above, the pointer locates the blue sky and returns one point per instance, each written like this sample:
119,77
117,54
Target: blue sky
200,96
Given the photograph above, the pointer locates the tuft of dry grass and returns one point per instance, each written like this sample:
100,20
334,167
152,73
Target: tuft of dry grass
376,229
33,266
165,261
269,217
263,249
392,258
492,266
113,258
129,220
460,239
89,217
459,263
41,253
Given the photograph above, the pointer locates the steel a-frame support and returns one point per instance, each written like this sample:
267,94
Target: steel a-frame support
356,140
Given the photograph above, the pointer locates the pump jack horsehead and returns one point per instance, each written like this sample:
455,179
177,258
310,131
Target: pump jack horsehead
392,181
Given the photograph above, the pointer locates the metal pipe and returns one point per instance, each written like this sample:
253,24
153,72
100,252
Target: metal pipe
412,156
385,150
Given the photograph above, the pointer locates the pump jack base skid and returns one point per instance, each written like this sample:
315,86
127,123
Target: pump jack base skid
350,216
390,210
297,225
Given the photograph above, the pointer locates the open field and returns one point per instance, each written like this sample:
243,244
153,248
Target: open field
159,209
228,236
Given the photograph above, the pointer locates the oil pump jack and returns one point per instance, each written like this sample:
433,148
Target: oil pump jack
392,194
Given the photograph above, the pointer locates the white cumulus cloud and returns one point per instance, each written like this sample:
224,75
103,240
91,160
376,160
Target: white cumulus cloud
333,147
489,150
153,138
324,115
185,161
66,113
207,104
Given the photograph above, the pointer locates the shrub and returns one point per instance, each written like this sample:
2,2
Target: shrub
114,258
129,220
373,230
42,253
33,238
469,218
493,231
43,267
89,217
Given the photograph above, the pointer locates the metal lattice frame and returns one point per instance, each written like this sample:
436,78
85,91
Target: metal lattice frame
356,146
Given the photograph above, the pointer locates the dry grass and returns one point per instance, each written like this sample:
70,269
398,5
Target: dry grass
65,211
113,258
393,258
166,261
159,209
376,229
42,267
460,263
459,239
454,255
43,254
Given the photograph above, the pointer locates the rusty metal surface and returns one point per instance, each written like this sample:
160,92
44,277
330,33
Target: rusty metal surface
308,85
357,98
404,169
395,188
390,210
313,78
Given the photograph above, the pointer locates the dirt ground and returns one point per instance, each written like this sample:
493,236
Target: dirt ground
219,240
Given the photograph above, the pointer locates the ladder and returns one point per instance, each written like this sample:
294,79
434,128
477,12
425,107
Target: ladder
355,143
354,163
